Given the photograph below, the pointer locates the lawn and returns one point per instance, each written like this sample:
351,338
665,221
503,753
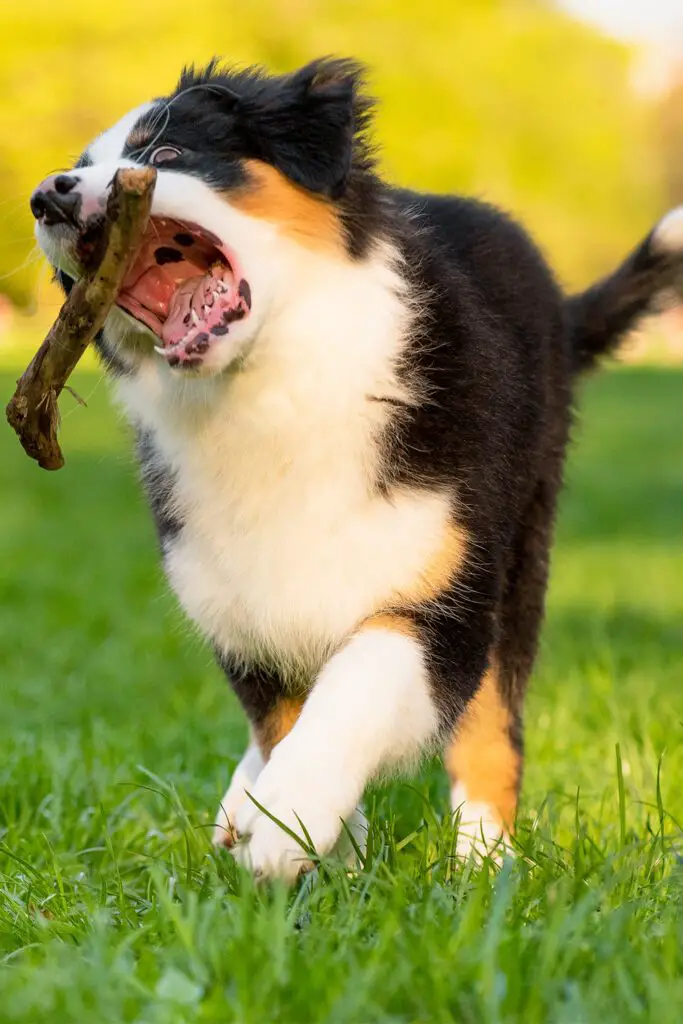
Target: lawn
117,736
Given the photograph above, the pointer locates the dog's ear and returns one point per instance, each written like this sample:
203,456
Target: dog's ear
307,127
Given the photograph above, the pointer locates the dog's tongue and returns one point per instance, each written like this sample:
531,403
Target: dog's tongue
204,302
188,296
196,302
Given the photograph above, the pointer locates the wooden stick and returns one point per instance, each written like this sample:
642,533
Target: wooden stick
32,410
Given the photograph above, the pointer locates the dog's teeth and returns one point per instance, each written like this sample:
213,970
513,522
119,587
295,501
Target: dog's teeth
160,350
215,293
195,319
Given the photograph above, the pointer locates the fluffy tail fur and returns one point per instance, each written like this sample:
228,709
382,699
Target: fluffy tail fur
601,316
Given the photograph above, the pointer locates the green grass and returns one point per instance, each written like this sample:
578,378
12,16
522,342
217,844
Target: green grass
117,735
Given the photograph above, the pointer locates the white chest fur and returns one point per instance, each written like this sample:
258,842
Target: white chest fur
287,545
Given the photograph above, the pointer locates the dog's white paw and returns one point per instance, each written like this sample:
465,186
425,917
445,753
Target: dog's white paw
291,788
345,847
480,832
244,778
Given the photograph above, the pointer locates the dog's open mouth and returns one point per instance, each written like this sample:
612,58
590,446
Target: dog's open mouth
186,287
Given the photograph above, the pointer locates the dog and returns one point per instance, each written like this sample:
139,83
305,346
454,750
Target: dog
351,404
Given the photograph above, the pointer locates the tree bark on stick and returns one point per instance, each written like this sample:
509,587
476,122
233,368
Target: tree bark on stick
32,410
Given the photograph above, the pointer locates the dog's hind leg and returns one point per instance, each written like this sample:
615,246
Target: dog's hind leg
484,762
484,757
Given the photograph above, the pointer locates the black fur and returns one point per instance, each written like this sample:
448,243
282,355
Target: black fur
311,125
258,687
494,354
601,316
159,484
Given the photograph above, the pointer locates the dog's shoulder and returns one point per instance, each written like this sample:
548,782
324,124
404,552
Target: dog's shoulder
489,347
480,242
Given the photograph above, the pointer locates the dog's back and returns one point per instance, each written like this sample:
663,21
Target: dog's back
352,405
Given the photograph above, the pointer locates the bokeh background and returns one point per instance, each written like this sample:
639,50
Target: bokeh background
118,732
574,125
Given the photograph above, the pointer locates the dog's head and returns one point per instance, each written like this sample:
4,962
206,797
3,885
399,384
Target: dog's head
257,174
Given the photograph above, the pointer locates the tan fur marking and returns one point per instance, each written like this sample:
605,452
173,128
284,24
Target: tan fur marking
277,724
310,220
396,623
139,137
481,754
440,570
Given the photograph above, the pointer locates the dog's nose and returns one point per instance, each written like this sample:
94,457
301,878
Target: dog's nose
63,183
54,201
45,208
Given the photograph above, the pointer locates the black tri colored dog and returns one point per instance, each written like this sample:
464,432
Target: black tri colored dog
352,404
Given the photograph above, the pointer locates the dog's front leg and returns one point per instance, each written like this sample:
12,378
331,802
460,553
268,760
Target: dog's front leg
243,780
370,708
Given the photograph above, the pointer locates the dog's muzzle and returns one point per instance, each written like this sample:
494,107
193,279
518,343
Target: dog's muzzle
60,199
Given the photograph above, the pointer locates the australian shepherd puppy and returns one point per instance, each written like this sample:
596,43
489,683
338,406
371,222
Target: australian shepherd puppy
352,403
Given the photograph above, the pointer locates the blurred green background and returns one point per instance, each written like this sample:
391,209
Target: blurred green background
117,731
513,100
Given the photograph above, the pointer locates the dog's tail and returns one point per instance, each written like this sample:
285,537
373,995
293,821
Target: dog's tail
601,316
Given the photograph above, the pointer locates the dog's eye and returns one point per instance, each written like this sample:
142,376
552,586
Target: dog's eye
164,154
